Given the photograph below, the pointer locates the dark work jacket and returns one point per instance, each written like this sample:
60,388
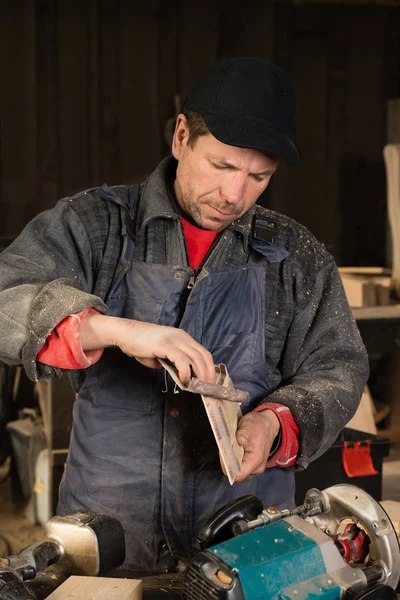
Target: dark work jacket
278,318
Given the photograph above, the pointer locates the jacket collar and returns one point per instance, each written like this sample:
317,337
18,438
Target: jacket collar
154,195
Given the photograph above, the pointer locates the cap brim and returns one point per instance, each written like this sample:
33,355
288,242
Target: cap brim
248,133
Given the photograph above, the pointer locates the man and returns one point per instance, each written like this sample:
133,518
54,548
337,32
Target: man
187,268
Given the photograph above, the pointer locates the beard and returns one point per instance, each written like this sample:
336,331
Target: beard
197,209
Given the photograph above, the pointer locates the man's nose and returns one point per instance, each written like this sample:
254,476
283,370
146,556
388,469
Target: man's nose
232,189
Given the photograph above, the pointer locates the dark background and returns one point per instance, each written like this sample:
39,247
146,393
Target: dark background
87,87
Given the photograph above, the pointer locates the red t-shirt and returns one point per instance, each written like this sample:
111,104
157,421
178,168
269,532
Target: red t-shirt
198,242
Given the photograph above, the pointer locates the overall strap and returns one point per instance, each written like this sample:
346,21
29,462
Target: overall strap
128,199
125,196
130,222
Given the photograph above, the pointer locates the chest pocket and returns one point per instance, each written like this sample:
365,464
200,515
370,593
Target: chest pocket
124,383
226,314
142,294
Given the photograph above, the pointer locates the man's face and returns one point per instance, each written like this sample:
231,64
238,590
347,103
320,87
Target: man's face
215,183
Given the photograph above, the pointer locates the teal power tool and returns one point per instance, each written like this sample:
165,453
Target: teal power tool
339,543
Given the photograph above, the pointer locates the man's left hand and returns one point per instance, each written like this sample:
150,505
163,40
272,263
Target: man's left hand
256,433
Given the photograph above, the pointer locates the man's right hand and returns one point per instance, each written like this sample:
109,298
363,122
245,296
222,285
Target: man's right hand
146,342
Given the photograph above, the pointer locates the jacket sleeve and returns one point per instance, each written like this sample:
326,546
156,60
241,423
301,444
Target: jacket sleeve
324,366
45,275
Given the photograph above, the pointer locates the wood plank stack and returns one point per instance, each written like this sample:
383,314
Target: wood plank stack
367,286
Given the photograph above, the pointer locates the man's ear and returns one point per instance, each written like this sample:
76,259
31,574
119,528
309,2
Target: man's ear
181,136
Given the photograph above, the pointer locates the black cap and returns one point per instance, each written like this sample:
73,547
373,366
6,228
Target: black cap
250,103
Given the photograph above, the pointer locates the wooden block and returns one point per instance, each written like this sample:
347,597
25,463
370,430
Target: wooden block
366,286
364,420
98,588
391,153
383,280
383,287
383,295
359,290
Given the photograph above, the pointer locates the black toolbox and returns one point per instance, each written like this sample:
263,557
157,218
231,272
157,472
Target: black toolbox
329,468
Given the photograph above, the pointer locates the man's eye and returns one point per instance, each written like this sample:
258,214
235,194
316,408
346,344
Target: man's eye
258,178
218,166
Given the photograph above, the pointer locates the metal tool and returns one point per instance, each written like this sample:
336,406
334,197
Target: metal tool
339,543
79,543
217,390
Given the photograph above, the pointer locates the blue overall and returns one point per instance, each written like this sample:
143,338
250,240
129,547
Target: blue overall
141,452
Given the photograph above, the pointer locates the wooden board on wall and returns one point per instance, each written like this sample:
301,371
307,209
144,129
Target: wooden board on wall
362,175
305,50
109,89
89,85
246,29
315,207
73,77
339,192
393,121
168,75
93,92
139,127
47,96
281,197
336,111
199,38
18,128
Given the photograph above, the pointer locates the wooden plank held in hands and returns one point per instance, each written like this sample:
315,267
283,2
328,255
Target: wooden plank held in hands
391,153
223,413
224,417
98,588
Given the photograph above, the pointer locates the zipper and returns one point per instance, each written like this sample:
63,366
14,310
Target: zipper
201,272
192,281
197,275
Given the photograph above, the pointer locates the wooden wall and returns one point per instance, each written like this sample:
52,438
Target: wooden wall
87,87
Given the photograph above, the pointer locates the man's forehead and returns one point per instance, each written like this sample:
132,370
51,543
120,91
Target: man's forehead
215,149
239,158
